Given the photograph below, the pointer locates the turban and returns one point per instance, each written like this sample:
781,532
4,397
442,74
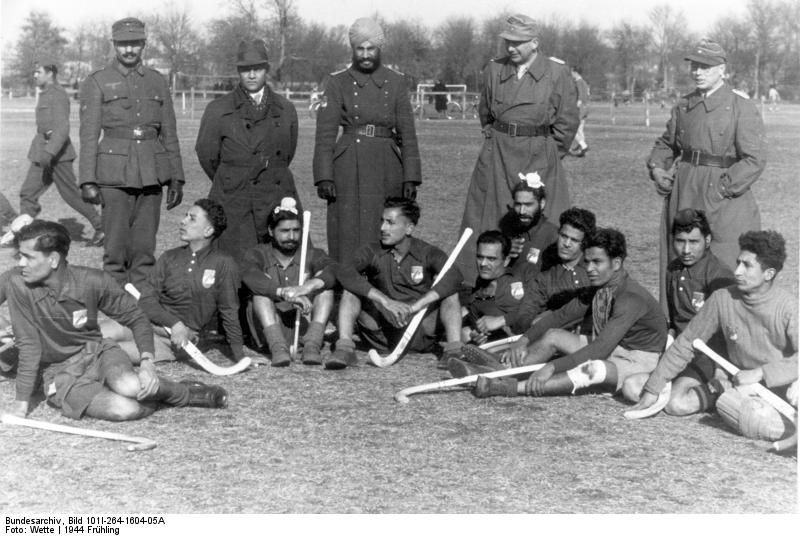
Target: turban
366,30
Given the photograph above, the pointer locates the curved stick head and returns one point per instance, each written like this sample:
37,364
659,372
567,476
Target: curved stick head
145,445
380,362
658,405
401,397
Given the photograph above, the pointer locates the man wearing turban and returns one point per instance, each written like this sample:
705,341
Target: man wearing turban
376,155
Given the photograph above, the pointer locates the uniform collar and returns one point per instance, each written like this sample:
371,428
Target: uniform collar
489,288
62,286
125,71
416,249
710,102
272,257
378,76
537,69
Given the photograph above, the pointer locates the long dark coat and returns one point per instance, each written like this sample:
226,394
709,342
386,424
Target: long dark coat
544,96
246,151
364,169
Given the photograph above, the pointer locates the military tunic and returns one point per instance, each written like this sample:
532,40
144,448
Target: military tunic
365,167
246,149
52,137
724,124
137,154
543,98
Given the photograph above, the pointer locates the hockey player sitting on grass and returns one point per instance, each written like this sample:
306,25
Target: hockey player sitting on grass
54,308
759,324
628,333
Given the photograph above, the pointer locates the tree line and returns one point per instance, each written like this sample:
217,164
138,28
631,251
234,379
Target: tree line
763,47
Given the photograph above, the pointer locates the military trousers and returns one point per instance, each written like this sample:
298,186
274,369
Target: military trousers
39,180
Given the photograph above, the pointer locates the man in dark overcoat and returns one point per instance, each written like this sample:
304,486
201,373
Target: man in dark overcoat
247,140
376,156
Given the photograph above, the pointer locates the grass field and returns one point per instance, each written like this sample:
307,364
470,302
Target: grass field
304,440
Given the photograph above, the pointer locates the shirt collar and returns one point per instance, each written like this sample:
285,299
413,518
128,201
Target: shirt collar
536,68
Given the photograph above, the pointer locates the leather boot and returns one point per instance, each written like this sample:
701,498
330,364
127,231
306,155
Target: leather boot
205,396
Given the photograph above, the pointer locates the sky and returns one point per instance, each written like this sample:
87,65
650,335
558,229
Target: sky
604,13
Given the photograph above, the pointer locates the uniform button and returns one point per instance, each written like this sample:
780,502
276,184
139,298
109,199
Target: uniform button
680,288
358,140
190,269
682,278
355,92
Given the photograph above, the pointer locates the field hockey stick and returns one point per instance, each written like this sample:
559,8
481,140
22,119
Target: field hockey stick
661,401
500,345
780,405
373,354
195,353
6,345
402,396
139,443
301,279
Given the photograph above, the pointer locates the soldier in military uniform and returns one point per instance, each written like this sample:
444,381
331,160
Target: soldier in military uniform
529,114
247,140
376,156
715,140
51,153
130,105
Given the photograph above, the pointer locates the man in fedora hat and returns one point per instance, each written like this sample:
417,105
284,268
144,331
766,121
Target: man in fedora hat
247,140
129,151
51,153
377,154
711,153
529,114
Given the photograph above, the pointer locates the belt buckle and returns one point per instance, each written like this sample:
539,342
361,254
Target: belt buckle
138,133
512,129
369,130
695,161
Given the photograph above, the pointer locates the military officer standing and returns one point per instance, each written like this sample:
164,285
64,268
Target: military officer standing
529,114
715,140
131,107
247,140
376,156
51,153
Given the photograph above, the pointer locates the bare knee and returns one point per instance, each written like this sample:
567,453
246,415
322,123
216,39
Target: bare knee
633,385
265,310
125,384
684,399
113,407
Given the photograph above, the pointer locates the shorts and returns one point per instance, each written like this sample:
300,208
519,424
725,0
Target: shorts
72,384
378,333
629,362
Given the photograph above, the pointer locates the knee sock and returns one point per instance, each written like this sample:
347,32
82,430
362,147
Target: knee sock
172,393
314,334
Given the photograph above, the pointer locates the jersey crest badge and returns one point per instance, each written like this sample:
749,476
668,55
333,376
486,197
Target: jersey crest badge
517,290
732,334
209,277
416,274
79,318
533,255
698,299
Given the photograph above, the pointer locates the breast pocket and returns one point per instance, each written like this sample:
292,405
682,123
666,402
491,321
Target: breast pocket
152,107
115,107
112,155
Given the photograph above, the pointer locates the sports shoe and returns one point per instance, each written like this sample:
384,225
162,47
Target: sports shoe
486,387
97,240
459,368
341,358
479,356
205,396
311,354
281,358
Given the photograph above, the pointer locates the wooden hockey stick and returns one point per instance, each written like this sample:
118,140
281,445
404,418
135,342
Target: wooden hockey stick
139,443
500,345
782,407
658,405
195,353
301,279
402,396
390,359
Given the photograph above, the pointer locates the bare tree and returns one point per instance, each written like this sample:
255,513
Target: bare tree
764,17
455,50
176,39
40,37
668,37
631,45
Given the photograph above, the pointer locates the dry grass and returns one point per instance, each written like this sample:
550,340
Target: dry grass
305,440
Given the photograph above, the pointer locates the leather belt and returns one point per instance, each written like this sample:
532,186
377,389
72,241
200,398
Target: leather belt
699,158
371,131
135,133
513,129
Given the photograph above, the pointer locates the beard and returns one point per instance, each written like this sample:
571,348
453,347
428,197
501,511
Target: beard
516,225
375,63
288,248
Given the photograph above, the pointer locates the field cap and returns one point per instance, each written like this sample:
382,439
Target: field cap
708,53
128,29
252,53
365,29
519,28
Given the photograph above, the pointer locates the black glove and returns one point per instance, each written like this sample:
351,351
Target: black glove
326,190
90,193
174,194
46,160
410,190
